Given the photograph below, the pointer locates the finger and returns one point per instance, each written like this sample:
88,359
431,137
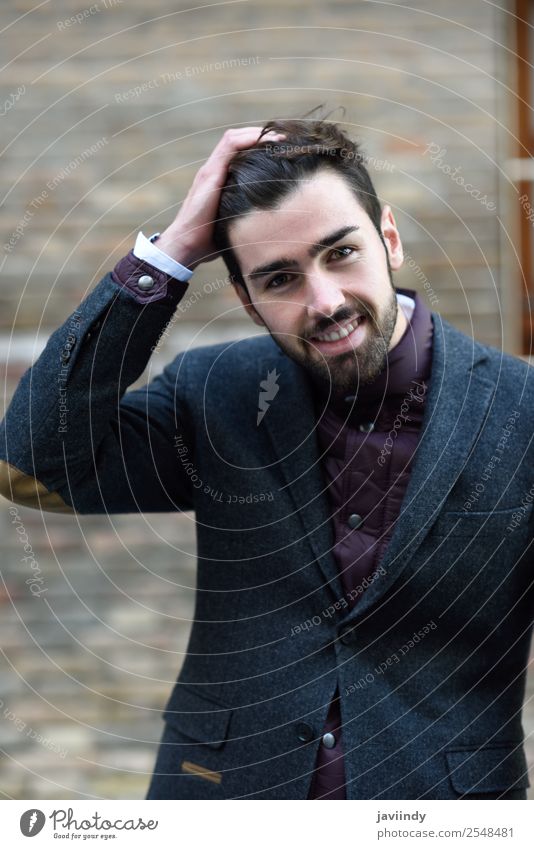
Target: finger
243,137
233,141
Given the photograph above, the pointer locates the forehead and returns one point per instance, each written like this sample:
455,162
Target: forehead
317,206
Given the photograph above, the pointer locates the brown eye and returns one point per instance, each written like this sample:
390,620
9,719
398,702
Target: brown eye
345,251
280,279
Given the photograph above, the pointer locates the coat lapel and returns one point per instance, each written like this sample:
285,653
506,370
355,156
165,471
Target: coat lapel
291,427
456,406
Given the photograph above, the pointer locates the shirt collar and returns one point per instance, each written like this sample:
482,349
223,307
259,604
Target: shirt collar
407,362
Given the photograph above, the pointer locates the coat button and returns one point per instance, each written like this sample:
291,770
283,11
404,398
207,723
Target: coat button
92,330
145,282
348,637
304,732
329,741
355,520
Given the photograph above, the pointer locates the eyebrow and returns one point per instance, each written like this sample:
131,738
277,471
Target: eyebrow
313,250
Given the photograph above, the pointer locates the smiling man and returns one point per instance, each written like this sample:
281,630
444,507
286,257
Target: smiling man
330,303
364,587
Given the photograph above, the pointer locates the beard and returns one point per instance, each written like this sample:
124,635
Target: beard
342,374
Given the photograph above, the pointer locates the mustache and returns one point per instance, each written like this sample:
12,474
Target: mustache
333,322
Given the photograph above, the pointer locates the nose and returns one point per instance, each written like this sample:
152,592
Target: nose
324,298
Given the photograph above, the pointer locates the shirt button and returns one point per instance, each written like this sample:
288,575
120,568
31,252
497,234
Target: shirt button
329,741
304,732
145,282
355,520
366,427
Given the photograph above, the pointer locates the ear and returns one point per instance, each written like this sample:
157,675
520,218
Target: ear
391,238
247,304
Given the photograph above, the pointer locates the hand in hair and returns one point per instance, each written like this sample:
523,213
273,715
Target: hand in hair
189,239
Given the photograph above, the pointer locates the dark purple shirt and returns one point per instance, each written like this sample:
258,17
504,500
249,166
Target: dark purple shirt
369,445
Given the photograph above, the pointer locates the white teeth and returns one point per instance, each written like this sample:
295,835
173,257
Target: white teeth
336,335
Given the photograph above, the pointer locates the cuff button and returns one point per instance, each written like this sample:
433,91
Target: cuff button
145,283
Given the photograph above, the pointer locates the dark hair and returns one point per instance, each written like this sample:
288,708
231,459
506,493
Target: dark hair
261,176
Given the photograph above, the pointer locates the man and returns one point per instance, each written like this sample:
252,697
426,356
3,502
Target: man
360,477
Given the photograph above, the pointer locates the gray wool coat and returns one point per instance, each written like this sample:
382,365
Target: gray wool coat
431,662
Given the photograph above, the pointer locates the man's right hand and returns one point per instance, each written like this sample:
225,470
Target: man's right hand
189,239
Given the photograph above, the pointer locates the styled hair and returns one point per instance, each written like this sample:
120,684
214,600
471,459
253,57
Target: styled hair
260,177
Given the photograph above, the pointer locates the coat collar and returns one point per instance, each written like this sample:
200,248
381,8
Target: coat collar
458,397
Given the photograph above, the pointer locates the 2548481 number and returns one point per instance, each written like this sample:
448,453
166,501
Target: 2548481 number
489,832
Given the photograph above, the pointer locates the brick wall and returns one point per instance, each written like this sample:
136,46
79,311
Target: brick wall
89,159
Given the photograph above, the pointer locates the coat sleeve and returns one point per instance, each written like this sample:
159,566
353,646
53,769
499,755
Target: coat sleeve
73,440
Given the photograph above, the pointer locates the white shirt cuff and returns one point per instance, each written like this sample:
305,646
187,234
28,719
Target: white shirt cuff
144,249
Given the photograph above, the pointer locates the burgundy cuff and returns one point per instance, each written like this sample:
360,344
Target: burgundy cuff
145,282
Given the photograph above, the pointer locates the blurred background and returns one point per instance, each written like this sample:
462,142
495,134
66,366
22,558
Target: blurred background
107,110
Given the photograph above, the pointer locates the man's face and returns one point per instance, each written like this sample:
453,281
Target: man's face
316,266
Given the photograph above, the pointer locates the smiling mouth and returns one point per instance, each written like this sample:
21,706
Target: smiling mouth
345,329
